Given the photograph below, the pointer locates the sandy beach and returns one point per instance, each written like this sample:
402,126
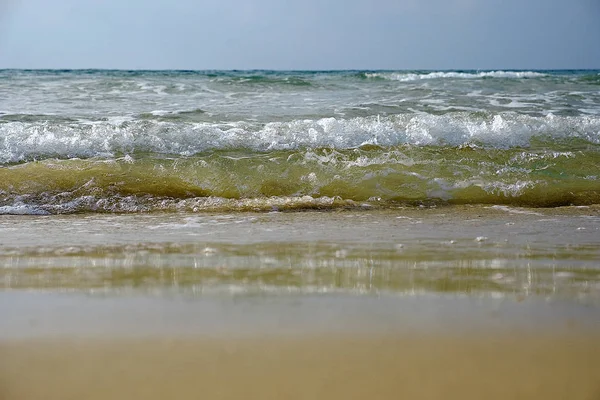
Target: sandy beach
543,366
458,302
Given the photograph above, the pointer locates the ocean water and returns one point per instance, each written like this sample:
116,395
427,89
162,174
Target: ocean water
138,174
143,141
305,234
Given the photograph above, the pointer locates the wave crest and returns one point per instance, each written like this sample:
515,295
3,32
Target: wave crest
302,179
26,141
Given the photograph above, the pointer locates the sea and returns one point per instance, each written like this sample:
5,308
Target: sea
144,141
299,234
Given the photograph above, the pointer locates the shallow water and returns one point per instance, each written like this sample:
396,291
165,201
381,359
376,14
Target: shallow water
488,250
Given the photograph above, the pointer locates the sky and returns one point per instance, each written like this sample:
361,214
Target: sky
307,34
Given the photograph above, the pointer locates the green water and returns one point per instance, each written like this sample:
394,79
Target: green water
314,178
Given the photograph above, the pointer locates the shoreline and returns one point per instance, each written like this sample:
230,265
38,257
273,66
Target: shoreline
496,250
456,303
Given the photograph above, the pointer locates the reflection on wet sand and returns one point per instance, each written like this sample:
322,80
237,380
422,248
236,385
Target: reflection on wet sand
306,268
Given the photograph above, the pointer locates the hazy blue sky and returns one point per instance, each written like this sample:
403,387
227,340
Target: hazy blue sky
307,34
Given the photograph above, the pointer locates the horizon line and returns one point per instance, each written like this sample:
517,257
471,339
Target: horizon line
297,70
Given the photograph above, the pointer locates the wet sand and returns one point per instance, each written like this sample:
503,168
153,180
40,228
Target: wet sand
307,367
452,303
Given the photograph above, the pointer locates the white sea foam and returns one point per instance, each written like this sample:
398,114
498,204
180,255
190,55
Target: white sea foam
512,210
32,140
22,209
408,77
509,189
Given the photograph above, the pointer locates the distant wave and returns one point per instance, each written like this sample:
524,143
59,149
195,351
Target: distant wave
257,79
408,77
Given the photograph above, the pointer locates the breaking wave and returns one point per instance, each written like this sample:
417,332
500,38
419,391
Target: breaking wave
27,141
322,178
407,77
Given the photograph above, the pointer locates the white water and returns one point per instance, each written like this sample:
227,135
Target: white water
23,141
